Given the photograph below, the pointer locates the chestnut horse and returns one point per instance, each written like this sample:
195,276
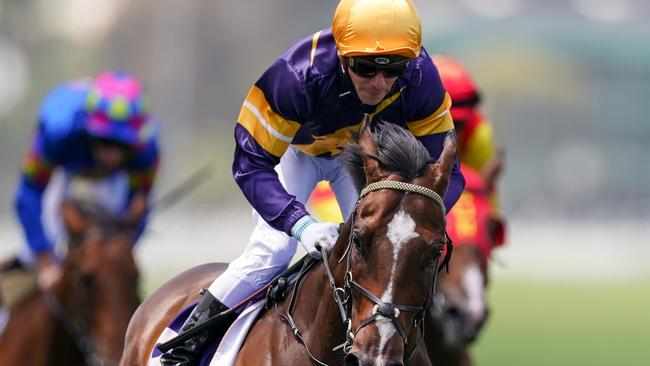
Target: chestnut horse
83,318
365,303
460,306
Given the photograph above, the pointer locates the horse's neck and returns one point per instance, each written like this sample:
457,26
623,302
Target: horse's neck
316,313
37,319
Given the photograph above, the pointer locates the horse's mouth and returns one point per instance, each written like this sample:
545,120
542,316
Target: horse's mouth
459,329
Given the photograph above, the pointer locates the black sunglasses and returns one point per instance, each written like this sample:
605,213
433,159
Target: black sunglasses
368,70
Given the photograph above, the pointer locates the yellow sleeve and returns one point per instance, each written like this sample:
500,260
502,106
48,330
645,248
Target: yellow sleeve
438,122
480,147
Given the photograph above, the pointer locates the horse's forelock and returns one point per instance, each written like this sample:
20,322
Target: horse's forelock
399,153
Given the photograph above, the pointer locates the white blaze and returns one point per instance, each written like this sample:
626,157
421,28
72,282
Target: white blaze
473,283
401,229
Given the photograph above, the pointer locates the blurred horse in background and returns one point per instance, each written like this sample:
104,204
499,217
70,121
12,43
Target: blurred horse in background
460,309
83,318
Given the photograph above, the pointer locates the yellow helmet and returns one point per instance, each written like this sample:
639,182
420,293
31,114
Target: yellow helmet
377,27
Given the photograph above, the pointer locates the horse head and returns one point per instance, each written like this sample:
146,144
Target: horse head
460,304
99,290
396,237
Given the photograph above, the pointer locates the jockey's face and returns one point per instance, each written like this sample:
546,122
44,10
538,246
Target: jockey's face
371,90
109,156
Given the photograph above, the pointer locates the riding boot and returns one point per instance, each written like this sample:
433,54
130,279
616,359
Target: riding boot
190,352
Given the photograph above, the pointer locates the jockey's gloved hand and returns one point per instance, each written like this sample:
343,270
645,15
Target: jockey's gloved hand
49,271
315,235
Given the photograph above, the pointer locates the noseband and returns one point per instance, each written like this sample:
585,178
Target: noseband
381,310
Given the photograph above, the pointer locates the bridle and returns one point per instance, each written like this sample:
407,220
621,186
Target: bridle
381,310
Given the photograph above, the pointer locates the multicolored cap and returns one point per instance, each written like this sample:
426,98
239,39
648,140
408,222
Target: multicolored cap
377,27
118,109
459,84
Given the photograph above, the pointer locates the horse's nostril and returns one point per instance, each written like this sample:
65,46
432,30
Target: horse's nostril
454,312
351,360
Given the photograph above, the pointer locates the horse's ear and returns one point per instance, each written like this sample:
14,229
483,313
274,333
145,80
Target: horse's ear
137,209
369,154
73,220
439,173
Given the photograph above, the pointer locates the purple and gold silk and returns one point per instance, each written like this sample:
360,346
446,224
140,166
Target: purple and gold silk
306,100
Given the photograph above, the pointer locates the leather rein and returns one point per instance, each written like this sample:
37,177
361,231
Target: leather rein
382,310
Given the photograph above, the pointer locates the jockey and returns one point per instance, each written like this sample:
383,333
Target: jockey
476,146
99,130
370,66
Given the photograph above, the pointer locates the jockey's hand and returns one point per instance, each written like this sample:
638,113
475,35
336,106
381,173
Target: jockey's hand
49,271
315,235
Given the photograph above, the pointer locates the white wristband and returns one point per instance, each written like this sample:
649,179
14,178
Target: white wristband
299,227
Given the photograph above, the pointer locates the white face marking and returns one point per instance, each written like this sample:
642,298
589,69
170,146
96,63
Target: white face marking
473,284
401,229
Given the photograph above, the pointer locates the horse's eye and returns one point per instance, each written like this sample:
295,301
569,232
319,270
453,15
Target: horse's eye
356,241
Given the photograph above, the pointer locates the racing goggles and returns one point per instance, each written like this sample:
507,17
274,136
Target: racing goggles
391,66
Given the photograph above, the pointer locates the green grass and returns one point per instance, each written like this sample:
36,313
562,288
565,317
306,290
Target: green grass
563,324
566,324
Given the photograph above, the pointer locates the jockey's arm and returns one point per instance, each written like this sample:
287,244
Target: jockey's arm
265,128
253,170
56,122
35,175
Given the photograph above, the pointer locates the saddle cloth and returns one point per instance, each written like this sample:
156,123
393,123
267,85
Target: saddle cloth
225,352
16,284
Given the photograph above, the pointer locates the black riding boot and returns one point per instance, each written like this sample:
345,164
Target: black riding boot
190,352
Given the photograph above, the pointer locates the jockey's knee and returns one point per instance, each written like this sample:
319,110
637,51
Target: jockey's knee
268,253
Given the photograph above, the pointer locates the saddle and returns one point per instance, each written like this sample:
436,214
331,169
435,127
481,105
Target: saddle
277,289
16,283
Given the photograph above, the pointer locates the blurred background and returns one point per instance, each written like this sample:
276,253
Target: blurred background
565,82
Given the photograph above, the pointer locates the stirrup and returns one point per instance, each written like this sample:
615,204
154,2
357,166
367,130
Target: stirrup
191,350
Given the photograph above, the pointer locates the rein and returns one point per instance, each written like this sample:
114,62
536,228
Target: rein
78,334
381,310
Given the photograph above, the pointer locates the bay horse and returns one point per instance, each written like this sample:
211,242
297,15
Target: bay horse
364,304
83,318
460,309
